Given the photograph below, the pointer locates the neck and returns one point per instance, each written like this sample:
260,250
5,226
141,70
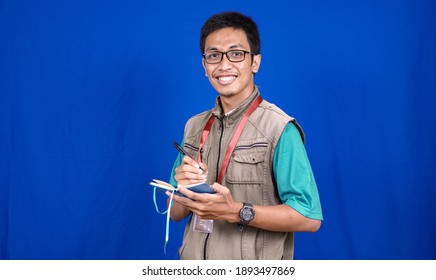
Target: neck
227,104
230,102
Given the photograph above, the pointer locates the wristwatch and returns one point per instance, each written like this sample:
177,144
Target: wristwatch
246,214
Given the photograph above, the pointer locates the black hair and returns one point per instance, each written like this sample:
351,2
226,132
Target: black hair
235,20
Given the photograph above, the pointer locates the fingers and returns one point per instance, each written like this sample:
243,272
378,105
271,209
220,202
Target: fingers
200,167
195,197
205,206
190,172
203,166
219,206
220,189
186,177
189,162
185,201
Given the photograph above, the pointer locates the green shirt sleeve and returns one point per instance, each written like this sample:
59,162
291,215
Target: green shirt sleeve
178,161
295,181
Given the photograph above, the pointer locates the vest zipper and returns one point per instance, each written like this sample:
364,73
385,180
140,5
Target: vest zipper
219,149
216,178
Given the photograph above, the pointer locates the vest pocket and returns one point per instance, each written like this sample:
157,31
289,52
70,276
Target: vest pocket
192,150
248,164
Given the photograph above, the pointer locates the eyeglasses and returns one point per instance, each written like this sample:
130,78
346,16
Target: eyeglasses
216,57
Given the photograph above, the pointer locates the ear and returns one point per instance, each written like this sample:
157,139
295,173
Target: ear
256,63
204,65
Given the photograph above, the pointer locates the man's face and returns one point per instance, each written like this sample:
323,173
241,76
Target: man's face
231,78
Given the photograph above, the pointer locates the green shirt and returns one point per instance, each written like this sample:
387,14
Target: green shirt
295,181
293,173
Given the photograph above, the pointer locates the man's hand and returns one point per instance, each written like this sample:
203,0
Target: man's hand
218,206
190,172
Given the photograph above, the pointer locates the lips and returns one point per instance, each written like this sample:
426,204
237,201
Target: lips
226,79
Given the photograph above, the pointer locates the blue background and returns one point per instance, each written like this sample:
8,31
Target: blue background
92,94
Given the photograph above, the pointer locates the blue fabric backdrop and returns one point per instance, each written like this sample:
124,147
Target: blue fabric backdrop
92,94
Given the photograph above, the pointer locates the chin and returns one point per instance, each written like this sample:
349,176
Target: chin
226,93
225,90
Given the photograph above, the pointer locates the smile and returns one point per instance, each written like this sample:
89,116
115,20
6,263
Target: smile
226,79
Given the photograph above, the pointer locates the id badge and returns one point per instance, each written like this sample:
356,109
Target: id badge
202,225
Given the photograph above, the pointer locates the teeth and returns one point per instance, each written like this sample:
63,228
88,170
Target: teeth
227,78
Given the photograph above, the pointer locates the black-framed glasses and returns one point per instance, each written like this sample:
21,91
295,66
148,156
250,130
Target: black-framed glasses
216,57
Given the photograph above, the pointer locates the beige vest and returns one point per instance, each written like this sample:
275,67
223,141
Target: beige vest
249,177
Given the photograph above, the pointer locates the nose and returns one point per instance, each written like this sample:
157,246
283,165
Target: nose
225,62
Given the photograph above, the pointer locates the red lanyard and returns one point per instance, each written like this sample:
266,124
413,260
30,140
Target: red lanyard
234,140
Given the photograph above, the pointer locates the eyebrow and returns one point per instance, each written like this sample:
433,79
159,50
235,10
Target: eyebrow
237,46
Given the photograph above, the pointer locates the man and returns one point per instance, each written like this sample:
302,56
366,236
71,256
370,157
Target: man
249,151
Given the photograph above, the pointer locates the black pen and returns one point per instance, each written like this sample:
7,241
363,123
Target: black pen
183,152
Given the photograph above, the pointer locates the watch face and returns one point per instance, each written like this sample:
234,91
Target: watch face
247,214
